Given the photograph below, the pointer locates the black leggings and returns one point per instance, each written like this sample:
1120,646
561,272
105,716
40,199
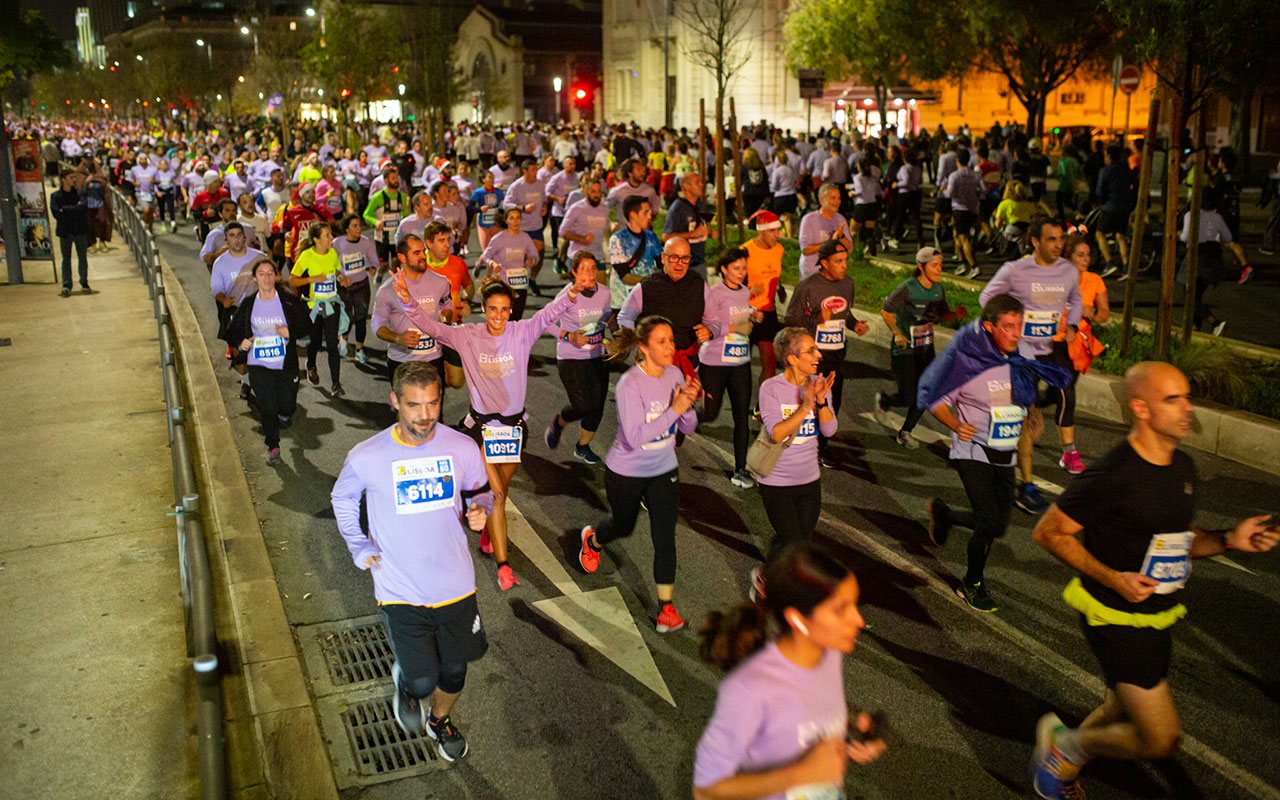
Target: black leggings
356,298
738,380
164,202
907,209
661,494
518,302
276,395
832,361
328,326
907,368
793,512
586,381
1062,399
990,488
555,232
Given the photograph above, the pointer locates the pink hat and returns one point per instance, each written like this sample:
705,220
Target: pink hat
765,220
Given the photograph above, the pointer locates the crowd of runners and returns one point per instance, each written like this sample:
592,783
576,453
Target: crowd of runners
313,245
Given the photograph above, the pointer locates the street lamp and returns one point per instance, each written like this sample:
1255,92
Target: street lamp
556,83
244,29
311,12
199,42
139,56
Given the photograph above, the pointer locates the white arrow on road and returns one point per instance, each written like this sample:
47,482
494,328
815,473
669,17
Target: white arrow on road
599,618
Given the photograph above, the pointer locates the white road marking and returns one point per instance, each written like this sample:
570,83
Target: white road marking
1067,669
599,618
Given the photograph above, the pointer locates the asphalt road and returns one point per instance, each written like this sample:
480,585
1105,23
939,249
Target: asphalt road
549,717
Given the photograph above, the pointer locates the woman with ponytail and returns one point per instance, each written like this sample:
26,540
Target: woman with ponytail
317,267
781,719
654,398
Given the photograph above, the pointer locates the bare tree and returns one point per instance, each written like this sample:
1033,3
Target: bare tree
717,43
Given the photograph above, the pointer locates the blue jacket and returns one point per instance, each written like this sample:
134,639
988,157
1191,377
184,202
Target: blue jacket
972,351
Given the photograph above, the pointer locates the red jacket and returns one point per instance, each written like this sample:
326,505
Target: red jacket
298,217
205,202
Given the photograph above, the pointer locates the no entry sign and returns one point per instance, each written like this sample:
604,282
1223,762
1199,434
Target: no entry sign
1130,77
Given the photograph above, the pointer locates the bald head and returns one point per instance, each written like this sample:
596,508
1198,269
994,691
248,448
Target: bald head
1159,397
675,258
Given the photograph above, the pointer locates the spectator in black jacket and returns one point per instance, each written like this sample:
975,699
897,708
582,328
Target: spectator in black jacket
72,213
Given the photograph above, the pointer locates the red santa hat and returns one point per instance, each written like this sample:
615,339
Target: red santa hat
765,220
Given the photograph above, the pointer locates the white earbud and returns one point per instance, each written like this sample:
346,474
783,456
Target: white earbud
797,622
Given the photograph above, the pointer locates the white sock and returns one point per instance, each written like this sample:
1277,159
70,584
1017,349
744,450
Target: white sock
245,379
1067,740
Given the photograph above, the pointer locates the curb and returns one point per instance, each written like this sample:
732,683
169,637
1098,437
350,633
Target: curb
295,760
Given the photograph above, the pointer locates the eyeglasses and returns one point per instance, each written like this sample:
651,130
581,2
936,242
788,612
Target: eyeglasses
678,259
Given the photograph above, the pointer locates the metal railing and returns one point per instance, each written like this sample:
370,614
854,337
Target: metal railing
193,555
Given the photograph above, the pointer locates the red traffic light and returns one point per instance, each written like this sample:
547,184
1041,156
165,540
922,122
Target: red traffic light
345,93
581,94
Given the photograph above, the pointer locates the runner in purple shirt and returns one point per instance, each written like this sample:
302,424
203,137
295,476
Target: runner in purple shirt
529,195
495,358
781,719
359,260
580,360
510,256
654,400
725,359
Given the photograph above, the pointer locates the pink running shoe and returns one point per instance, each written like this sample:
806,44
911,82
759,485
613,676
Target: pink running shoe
486,546
1071,462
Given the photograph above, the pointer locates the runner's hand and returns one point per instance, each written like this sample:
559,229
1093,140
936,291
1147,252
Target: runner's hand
476,517
825,763
343,280
578,338
589,238
899,340
373,561
409,339
757,316
860,327
246,345
401,287
965,432
282,331
1253,535
702,332
822,386
1133,586
865,752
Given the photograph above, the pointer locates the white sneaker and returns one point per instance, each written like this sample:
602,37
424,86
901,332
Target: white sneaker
342,346
908,441
973,272
1217,329
877,408
743,479
961,268
893,244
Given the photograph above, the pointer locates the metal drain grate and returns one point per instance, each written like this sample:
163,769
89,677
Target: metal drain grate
378,744
357,654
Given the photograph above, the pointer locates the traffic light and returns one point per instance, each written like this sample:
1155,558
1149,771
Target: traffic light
581,95
345,93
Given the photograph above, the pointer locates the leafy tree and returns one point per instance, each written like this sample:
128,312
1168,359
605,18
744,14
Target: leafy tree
1037,47
343,55
433,82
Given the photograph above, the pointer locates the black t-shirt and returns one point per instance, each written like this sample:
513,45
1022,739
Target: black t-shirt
1124,501
683,217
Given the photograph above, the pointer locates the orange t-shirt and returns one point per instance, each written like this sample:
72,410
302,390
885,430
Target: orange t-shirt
1091,286
763,266
455,271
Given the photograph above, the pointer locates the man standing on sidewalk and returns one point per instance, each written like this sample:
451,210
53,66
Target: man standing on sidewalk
70,210
424,485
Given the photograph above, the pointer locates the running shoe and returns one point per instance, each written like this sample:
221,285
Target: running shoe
486,546
879,410
409,713
588,556
973,272
757,584
84,289
586,455
1246,274
231,351
534,289
273,457
246,392
961,268
669,620
826,461
976,596
450,744
552,436
1052,775
908,441
1111,269
939,521
337,390
1030,500
1267,251
506,578
893,245
361,356
1071,462
313,376
285,421
342,346
743,479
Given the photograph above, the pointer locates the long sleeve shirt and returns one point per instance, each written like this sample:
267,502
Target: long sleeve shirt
645,445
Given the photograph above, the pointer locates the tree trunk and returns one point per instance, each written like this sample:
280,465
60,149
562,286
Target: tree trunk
882,98
1241,122
1193,232
702,140
719,148
1139,222
1169,263
737,171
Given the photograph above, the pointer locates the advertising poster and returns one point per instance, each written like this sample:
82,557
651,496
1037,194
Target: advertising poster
33,210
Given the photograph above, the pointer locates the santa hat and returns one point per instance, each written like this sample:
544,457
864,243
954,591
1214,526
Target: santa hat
383,164
765,220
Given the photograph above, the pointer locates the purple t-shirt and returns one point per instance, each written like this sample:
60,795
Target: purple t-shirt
357,257
724,308
769,713
509,253
582,219
588,315
1045,292
232,275
521,195
268,346
560,185
646,442
416,514
986,403
814,229
798,464
497,367
432,294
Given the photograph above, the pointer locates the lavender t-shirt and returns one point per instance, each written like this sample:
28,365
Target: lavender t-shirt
588,315
798,464
432,294
769,713
232,275
357,257
497,367
815,229
268,346
646,442
509,253
987,395
724,309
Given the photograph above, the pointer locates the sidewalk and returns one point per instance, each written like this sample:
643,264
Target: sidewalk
97,692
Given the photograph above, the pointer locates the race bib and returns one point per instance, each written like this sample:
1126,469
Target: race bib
594,339
325,288
830,335
267,351
388,216
1040,324
353,264
518,278
816,791
1006,427
423,484
165,186
1168,561
501,443
737,350
425,343
665,440
922,335
808,429
145,197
